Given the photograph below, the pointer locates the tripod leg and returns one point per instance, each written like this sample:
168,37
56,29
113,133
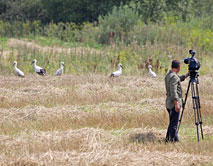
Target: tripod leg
181,116
194,102
199,110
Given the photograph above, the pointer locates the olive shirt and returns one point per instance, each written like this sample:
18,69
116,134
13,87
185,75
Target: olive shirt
173,89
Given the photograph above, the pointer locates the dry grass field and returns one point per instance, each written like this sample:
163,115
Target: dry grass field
92,120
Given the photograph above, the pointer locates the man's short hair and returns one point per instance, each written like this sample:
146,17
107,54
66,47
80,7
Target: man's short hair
175,64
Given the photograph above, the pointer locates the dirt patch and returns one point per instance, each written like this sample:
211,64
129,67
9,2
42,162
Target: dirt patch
143,138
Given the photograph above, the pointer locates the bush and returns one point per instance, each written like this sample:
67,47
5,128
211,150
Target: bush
89,35
143,34
151,10
22,10
116,25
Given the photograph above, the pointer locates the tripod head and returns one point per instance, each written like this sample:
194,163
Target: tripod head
193,74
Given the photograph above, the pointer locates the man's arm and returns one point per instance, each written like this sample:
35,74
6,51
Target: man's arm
173,90
183,77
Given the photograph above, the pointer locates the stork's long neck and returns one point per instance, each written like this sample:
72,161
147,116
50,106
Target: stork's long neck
15,66
34,64
62,67
150,69
120,68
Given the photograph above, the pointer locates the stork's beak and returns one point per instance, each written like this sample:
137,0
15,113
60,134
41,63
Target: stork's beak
32,62
122,67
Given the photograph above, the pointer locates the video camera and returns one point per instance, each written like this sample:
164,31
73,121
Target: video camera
194,64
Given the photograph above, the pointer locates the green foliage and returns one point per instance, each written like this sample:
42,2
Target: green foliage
89,34
203,8
22,10
143,34
119,22
151,10
89,10
131,34
182,9
78,11
19,28
62,31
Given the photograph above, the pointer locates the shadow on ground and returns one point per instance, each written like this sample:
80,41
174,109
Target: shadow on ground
149,137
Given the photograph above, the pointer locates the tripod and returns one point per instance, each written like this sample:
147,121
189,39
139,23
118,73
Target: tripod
193,82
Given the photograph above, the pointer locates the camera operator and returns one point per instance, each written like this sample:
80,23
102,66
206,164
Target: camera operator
173,99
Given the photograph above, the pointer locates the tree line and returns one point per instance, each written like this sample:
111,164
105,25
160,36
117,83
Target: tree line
79,11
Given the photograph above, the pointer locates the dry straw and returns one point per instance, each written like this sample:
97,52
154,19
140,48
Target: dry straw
94,120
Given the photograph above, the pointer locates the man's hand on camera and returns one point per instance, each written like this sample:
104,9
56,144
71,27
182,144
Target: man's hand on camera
177,106
187,74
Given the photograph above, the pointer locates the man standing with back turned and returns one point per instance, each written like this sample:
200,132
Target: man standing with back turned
173,99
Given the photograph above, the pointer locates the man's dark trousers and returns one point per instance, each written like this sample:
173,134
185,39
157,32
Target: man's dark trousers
172,135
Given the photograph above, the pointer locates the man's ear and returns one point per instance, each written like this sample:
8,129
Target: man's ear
178,68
